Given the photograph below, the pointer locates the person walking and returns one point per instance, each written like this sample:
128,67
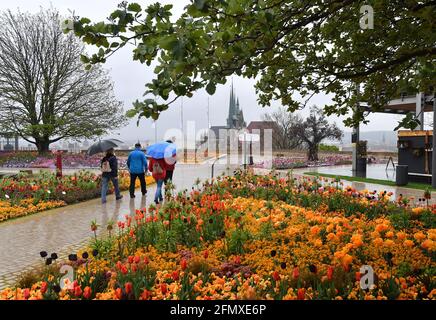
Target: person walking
109,169
157,167
170,166
137,164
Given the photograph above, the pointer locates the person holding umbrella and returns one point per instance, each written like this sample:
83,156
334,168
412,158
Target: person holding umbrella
170,166
109,168
108,165
137,164
158,153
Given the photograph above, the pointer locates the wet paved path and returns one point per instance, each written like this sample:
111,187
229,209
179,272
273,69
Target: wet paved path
64,230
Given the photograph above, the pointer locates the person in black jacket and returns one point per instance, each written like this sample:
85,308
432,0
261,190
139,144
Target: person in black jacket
109,173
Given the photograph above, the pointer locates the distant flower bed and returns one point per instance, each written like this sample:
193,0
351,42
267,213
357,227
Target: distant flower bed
69,160
283,163
254,237
25,194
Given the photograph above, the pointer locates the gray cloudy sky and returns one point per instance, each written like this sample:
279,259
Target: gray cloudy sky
130,77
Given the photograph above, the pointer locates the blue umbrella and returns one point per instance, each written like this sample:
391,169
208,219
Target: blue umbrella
161,150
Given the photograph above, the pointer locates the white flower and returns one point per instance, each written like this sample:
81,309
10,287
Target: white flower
63,192
48,191
7,196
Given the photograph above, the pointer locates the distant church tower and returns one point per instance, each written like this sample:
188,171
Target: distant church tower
235,119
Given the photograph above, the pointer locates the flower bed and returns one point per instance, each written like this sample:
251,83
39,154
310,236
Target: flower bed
283,163
69,160
255,237
24,194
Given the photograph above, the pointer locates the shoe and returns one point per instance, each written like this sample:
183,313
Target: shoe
103,201
132,196
144,193
119,198
156,202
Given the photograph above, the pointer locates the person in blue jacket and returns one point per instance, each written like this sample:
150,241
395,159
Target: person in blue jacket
137,164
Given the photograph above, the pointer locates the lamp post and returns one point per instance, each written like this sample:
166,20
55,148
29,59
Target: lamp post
433,155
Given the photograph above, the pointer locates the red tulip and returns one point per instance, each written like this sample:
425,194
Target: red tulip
238,260
183,264
163,288
175,275
124,269
134,268
358,275
301,294
130,259
295,273
128,287
146,261
276,276
330,273
44,287
87,292
146,294
206,254
136,259
26,293
77,291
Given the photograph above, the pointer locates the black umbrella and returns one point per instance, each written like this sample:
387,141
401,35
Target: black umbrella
103,146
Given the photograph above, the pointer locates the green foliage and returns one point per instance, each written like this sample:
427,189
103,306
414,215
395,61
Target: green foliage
236,241
293,46
329,148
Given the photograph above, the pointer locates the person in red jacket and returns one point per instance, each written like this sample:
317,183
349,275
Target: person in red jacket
170,166
157,167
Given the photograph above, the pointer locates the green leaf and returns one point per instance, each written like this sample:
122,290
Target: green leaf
84,58
168,43
211,88
131,113
134,7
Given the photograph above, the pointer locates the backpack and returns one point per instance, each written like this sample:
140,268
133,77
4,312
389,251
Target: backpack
105,166
157,169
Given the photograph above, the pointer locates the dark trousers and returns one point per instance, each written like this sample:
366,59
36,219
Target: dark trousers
141,177
168,176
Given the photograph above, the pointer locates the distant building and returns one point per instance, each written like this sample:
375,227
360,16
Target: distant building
220,136
266,137
235,120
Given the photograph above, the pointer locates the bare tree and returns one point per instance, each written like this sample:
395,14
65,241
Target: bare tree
314,129
284,137
45,92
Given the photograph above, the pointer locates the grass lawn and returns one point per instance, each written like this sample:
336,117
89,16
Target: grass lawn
412,185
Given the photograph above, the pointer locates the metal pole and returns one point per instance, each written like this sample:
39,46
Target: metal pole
245,151
355,134
433,155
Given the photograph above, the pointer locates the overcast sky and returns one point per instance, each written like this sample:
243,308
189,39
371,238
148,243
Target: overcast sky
130,77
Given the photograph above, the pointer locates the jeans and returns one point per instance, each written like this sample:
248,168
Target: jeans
158,196
141,177
105,186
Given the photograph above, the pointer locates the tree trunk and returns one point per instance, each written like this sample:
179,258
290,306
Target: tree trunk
312,153
42,145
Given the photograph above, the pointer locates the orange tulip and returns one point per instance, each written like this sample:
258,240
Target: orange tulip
118,293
